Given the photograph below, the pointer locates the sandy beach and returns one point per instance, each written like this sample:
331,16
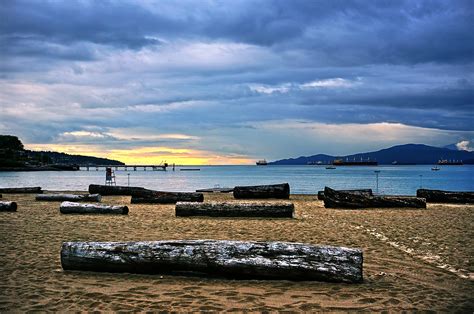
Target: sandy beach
413,259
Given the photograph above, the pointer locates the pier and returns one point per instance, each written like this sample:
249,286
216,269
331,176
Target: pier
160,167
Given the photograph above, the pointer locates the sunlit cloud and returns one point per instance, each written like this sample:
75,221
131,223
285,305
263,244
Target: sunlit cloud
332,83
465,145
329,83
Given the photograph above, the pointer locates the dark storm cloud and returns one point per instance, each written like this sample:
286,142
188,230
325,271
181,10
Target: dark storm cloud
340,32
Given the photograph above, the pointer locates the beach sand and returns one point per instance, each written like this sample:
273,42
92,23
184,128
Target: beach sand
413,259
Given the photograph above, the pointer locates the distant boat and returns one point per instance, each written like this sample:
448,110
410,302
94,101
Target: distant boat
394,162
262,162
330,167
435,168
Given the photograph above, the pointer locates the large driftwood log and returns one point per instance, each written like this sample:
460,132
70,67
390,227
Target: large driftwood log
76,208
116,190
235,259
23,190
159,197
367,192
439,196
338,199
263,191
69,197
232,209
8,206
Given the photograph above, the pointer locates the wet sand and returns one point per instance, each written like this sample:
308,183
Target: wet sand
413,259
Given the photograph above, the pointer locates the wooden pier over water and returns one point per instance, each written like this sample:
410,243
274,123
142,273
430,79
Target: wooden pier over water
160,167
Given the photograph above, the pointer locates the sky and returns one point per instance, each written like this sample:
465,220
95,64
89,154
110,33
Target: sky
230,82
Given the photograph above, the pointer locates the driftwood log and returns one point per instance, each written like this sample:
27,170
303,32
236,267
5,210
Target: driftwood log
8,206
158,197
69,197
338,199
76,208
367,192
116,190
235,259
439,196
232,209
263,191
23,190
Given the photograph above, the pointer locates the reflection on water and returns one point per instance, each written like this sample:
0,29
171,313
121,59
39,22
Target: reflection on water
302,179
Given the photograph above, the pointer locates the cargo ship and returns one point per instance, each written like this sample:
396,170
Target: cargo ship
341,162
446,162
262,162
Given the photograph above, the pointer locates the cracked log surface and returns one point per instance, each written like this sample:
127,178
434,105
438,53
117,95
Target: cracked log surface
159,197
439,196
367,192
69,197
23,190
233,209
7,206
281,191
76,208
235,259
338,199
116,190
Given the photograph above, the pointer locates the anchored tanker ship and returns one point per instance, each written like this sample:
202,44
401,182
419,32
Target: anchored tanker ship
341,162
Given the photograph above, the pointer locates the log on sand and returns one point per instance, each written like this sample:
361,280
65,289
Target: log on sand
338,199
76,208
159,197
116,190
69,197
235,259
367,192
439,196
22,190
232,209
263,191
8,206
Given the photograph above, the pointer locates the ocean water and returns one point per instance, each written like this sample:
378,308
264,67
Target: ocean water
401,180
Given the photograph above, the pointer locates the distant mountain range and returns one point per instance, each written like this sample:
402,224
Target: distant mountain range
402,154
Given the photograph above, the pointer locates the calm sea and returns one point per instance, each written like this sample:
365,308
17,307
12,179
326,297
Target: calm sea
302,179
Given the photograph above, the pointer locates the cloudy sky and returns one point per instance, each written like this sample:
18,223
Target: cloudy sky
228,82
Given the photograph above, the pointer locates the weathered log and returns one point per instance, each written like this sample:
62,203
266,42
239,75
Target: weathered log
232,209
263,191
439,196
367,192
8,206
338,199
69,197
76,208
22,190
116,190
235,259
159,197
